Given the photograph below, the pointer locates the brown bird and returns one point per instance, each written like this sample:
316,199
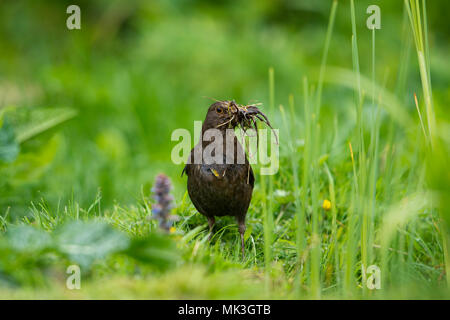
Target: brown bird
221,185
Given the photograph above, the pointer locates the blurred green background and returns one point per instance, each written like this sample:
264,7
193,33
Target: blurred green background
137,70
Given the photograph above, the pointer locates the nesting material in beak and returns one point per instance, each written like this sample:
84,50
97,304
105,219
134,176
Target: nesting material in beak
248,115
245,117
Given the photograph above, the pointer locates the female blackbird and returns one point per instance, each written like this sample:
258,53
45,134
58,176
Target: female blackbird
222,188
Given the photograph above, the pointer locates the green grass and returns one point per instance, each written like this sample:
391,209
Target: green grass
350,132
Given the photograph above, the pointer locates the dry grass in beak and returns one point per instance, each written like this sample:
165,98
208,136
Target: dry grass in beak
247,117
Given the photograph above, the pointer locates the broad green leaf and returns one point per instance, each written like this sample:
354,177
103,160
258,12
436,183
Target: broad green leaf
41,120
85,242
9,148
30,166
25,238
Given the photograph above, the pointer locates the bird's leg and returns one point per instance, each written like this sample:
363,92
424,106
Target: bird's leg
241,225
211,222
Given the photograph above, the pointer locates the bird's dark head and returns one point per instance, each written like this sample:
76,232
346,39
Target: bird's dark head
221,115
229,114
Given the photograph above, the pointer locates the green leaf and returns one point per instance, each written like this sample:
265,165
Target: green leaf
9,148
85,242
25,238
29,166
42,120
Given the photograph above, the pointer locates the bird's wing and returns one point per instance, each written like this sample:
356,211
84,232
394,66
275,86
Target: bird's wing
251,178
184,171
187,167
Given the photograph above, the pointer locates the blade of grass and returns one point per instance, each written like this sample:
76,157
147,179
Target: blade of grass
325,55
306,161
300,233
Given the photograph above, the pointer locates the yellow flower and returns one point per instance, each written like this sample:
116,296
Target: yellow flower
326,205
172,229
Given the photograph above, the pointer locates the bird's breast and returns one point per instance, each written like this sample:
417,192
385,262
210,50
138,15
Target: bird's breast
218,190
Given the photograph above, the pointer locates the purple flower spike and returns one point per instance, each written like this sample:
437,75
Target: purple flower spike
161,209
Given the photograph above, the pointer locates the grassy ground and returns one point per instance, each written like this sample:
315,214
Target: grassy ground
363,177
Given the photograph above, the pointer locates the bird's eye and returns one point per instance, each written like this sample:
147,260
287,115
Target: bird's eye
219,110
